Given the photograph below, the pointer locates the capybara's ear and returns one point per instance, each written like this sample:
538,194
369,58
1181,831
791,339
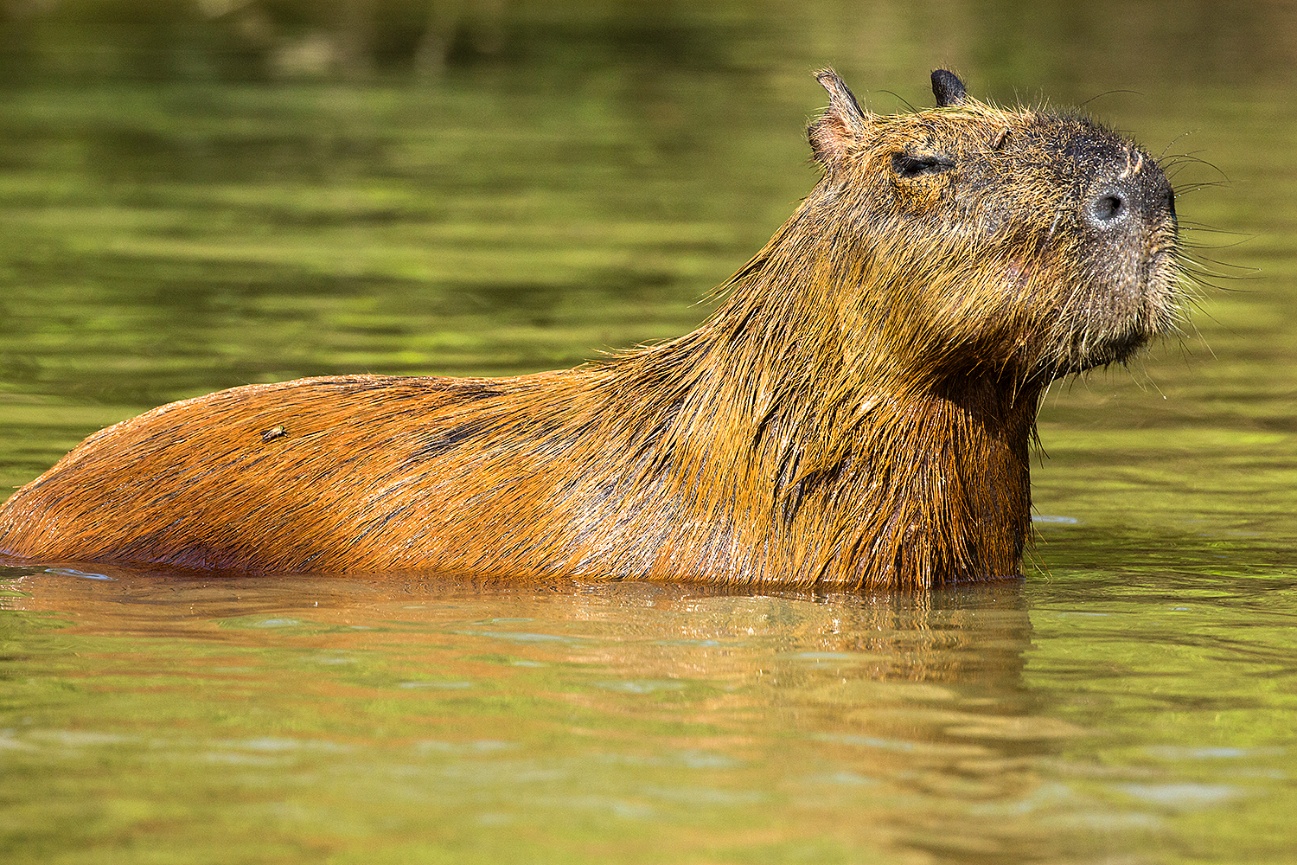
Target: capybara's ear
834,132
948,89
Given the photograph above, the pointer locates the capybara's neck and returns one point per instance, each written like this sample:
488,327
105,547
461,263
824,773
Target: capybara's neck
779,420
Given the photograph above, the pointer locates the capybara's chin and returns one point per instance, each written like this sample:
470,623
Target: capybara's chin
1132,300
857,413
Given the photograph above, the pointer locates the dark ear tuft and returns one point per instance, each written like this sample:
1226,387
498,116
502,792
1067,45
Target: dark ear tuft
948,89
833,132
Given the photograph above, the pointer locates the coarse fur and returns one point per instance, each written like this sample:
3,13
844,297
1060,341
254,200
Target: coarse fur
857,412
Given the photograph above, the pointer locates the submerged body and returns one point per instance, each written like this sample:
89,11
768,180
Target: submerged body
856,414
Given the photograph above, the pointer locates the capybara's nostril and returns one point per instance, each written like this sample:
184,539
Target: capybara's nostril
1106,208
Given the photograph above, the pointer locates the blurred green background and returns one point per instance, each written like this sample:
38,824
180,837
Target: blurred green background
1009,42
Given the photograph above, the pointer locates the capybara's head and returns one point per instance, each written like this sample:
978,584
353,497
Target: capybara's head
1012,242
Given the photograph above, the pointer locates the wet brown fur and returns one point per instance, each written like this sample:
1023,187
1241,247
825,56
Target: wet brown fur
857,413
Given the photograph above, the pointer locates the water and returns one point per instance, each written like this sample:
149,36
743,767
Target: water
164,235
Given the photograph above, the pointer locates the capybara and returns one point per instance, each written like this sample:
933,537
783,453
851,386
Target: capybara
856,413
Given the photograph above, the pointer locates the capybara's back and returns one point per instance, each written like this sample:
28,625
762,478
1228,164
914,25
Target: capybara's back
856,413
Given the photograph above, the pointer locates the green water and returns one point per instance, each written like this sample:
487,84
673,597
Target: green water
1134,700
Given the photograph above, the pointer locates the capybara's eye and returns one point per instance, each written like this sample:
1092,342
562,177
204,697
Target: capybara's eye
910,165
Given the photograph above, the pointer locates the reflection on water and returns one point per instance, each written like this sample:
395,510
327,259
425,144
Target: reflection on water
383,720
760,721
192,201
